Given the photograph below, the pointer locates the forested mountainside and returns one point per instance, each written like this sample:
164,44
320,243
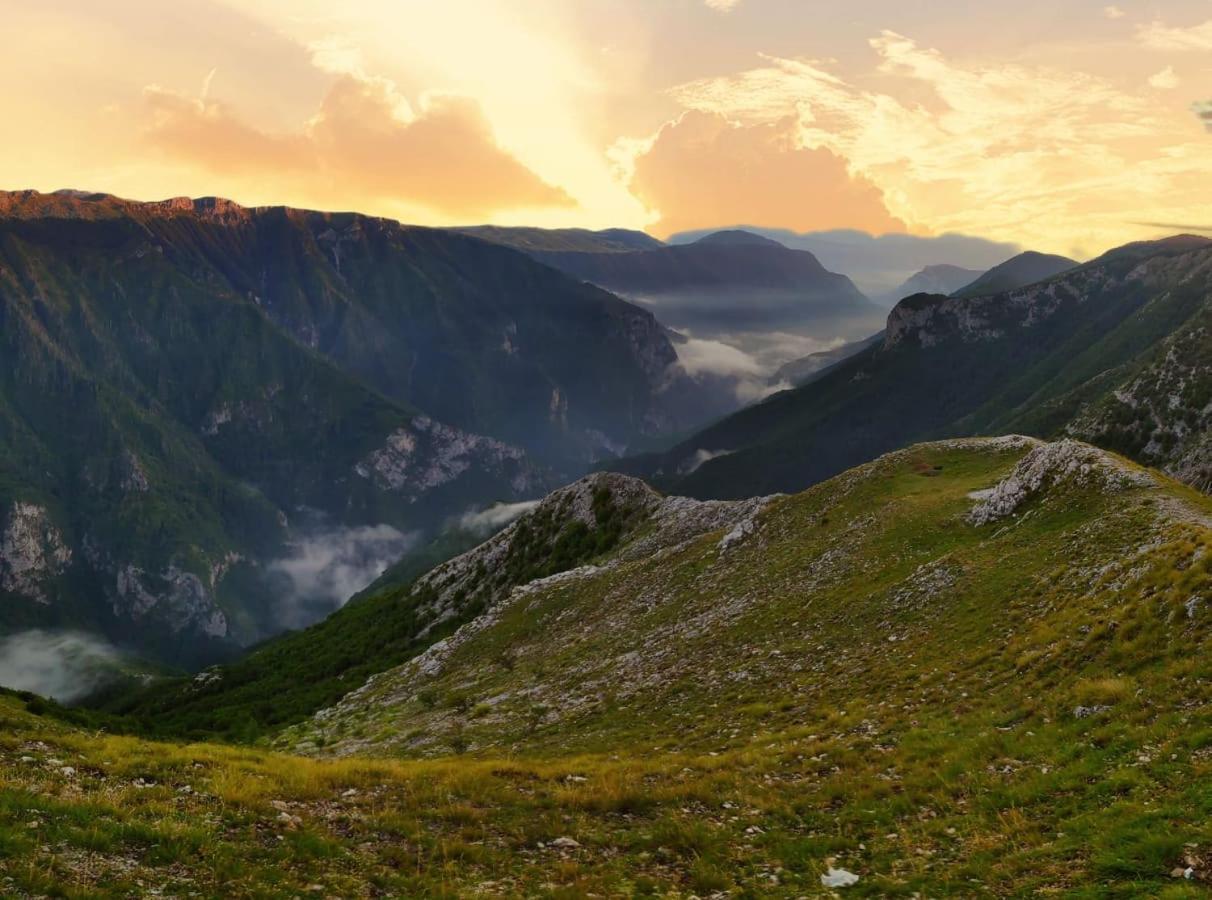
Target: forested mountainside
190,389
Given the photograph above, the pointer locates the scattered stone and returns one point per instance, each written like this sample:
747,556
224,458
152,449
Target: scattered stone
564,843
1085,712
838,878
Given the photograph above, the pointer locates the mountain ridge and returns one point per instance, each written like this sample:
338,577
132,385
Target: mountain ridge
985,364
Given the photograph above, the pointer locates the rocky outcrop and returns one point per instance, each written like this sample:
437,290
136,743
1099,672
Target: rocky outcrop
174,598
1049,465
426,455
32,551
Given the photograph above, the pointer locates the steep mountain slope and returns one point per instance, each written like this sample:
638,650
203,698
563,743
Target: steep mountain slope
970,668
1029,360
935,279
477,336
162,440
194,396
1019,271
294,676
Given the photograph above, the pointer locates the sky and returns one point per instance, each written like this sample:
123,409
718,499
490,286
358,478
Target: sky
1065,126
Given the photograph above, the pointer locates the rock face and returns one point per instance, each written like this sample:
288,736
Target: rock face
175,598
930,319
32,551
1161,412
425,455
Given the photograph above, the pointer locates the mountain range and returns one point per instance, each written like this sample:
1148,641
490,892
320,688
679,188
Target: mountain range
735,286
1111,351
937,279
880,264
1018,271
842,638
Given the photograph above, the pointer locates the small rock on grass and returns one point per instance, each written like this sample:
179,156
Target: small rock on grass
838,878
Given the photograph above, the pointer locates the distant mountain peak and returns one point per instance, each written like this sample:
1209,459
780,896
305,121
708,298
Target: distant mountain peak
737,236
1026,268
939,278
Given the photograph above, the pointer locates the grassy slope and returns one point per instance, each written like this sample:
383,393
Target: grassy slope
947,762
289,678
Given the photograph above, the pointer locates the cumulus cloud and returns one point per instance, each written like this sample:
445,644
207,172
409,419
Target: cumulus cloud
757,173
1113,12
980,147
326,568
1159,36
65,665
365,142
1165,80
723,5
493,518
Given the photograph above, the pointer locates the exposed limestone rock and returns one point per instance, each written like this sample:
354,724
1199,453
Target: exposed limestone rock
174,597
31,551
929,319
134,477
1051,464
427,454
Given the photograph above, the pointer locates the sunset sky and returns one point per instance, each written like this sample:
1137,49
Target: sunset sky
1061,125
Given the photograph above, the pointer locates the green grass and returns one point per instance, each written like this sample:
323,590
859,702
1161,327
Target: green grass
789,736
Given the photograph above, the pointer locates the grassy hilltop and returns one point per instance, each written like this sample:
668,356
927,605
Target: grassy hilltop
970,668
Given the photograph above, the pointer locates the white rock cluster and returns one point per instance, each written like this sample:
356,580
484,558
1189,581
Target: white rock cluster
426,454
1050,464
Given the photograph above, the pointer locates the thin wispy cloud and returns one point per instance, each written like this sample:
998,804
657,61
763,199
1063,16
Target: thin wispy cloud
1159,36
